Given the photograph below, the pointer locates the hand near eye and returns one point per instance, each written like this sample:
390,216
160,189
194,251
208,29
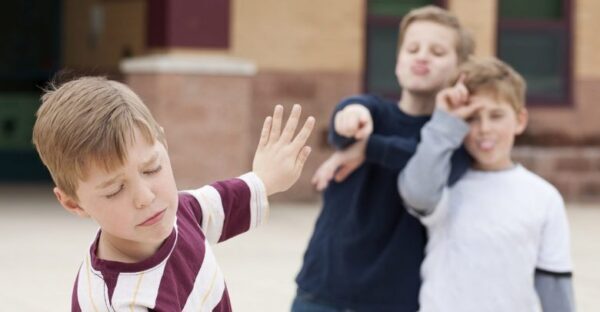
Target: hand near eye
455,100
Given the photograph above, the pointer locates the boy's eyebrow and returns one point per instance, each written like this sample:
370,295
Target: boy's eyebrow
151,160
113,179
108,182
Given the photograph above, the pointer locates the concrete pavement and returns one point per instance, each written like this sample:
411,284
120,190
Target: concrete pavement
41,247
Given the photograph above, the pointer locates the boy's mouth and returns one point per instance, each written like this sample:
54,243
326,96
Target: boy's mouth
154,218
419,70
486,145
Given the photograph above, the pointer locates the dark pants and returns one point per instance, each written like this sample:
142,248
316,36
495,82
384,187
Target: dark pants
305,302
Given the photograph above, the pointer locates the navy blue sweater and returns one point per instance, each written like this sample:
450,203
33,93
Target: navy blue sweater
366,250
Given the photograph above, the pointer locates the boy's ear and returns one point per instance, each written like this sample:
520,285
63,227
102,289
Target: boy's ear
522,120
69,203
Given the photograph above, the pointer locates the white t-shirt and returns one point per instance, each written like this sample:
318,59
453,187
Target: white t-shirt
488,234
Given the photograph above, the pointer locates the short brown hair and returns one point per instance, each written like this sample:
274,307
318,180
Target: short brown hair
88,121
491,76
465,45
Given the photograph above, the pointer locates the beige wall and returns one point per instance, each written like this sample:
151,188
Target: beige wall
300,36
479,17
123,28
586,38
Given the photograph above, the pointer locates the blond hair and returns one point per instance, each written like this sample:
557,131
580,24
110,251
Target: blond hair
493,77
465,45
89,121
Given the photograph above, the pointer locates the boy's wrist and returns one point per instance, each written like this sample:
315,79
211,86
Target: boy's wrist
449,125
257,181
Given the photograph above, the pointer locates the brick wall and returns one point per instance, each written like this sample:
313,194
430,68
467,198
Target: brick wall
575,171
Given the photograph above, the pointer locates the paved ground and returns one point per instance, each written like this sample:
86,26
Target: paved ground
41,246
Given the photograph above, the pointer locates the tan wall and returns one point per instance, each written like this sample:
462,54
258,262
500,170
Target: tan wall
300,35
480,18
587,41
123,28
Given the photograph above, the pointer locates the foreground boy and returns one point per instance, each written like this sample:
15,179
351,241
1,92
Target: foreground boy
365,252
108,158
500,233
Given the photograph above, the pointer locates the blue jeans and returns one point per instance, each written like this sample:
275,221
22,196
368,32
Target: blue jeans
308,303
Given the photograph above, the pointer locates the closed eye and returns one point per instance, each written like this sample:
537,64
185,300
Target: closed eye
438,51
412,48
153,171
113,194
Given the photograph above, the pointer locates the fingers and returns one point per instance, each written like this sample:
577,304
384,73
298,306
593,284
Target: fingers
365,129
276,124
292,123
325,172
351,119
302,137
322,181
345,123
302,157
468,110
264,134
345,170
461,79
455,97
462,88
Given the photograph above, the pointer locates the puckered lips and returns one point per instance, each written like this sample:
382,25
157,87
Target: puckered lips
420,69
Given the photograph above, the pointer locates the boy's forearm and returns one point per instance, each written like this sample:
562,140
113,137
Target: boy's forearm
231,207
555,291
422,181
392,152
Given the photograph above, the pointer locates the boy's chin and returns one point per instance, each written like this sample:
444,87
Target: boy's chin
423,89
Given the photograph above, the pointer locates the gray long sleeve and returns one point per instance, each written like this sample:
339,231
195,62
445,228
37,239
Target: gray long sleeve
555,291
422,181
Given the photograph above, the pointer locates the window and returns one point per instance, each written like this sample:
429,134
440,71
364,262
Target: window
534,36
383,21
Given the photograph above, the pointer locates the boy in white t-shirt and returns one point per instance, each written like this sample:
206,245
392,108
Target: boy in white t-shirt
498,238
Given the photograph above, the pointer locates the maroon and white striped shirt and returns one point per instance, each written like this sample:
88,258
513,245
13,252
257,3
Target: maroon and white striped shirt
183,275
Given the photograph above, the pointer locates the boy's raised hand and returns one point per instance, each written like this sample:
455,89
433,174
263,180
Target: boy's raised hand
280,156
354,121
455,100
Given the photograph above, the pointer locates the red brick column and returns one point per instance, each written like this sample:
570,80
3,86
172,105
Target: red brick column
205,105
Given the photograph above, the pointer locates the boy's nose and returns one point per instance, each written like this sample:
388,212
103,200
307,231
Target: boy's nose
423,55
484,125
144,196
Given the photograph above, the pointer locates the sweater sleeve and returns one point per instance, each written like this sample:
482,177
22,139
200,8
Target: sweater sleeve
423,180
388,151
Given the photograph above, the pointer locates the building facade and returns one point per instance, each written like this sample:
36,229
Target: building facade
212,70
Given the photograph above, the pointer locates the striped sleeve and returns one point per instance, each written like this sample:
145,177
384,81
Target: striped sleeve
231,207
